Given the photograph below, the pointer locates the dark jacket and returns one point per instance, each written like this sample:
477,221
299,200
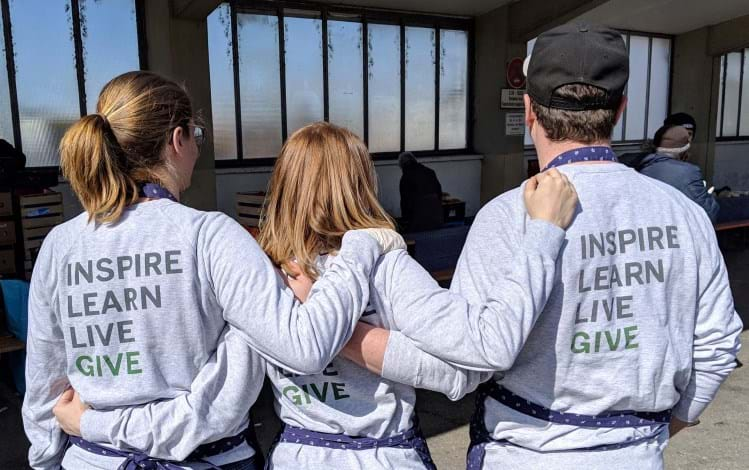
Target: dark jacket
421,198
683,176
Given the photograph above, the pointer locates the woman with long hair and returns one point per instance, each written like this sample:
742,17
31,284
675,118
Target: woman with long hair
346,416
130,301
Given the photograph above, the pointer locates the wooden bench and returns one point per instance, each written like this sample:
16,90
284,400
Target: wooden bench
11,344
443,277
734,224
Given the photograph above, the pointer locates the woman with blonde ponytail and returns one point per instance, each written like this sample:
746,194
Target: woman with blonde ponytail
131,301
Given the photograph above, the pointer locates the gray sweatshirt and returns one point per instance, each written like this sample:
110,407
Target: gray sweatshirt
129,313
345,398
640,317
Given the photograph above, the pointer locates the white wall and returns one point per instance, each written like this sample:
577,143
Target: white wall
459,176
731,165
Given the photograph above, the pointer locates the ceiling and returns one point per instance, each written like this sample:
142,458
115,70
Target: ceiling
444,7
665,16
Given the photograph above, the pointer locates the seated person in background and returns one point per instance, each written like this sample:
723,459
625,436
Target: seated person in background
667,164
684,120
421,196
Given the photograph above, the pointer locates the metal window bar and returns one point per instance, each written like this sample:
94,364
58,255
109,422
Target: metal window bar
325,82
403,85
723,94
647,88
237,89
741,90
437,60
282,67
365,78
79,67
11,66
140,22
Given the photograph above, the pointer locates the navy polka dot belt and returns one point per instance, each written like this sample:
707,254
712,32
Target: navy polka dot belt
135,460
480,436
411,439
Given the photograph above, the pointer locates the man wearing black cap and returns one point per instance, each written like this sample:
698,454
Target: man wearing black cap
640,329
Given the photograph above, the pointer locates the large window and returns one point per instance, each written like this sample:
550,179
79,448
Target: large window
733,98
61,54
647,90
399,85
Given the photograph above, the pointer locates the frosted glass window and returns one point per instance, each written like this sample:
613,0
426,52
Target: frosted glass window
304,80
637,88
731,100
453,89
744,121
384,88
6,121
109,32
345,76
47,107
660,62
420,92
220,62
260,85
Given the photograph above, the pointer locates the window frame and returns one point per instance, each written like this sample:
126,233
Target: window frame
720,118
365,17
79,62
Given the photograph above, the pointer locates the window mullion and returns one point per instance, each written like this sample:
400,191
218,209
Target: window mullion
11,70
237,88
437,59
282,67
365,77
79,66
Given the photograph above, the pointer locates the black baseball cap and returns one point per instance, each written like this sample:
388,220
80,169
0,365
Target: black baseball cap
578,54
681,119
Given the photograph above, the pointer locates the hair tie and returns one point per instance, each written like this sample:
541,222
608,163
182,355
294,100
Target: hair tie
104,118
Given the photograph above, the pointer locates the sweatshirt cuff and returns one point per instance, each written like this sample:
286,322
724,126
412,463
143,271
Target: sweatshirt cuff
360,248
689,410
94,425
398,362
544,237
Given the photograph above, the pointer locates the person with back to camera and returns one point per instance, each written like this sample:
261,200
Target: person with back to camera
421,195
156,427
129,301
640,329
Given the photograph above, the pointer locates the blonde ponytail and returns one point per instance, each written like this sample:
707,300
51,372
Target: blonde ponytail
91,160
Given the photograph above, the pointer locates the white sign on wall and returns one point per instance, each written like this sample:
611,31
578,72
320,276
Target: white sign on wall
511,99
514,123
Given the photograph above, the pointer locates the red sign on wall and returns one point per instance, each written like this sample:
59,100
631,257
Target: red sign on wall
515,76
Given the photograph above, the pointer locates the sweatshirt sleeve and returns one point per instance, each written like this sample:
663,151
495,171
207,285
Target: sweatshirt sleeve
422,370
486,335
717,328
46,369
216,406
697,191
300,338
